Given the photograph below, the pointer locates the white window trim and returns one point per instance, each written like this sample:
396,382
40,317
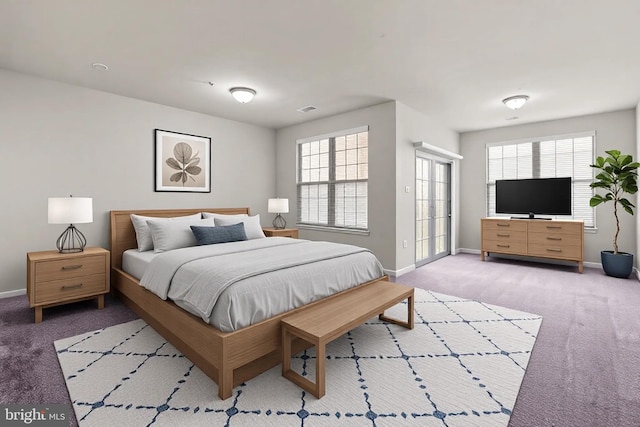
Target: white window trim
317,227
331,135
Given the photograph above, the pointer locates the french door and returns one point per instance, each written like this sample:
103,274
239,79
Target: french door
433,209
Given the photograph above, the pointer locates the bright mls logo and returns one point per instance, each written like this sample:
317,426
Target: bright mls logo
34,415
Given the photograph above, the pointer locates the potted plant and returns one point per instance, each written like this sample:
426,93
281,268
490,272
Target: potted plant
617,176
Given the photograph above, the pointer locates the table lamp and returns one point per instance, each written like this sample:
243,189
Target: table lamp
70,210
278,206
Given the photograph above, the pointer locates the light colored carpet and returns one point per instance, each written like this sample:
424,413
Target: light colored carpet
462,365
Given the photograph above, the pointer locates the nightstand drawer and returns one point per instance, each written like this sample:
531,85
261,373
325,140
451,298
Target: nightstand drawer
70,268
61,290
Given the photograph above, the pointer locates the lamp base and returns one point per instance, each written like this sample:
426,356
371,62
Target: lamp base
71,240
279,222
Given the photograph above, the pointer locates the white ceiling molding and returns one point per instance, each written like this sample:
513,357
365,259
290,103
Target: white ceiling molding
434,149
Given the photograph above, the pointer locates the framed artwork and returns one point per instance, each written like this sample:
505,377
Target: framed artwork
182,162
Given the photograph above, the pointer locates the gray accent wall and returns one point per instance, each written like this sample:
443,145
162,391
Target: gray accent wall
614,130
393,127
57,139
381,120
413,126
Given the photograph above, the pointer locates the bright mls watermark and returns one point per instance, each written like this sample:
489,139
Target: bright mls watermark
34,415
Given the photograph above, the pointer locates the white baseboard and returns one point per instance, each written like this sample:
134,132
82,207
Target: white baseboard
9,294
592,264
468,251
397,273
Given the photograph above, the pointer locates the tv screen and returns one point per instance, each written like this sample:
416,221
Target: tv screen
543,196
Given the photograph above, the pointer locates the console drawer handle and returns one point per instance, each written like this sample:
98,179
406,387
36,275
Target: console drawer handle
554,227
72,267
503,225
554,250
69,287
554,238
503,235
503,246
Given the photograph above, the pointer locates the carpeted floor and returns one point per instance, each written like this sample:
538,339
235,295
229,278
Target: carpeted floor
585,366
584,369
462,364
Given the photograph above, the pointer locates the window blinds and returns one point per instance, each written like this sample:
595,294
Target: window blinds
552,157
333,173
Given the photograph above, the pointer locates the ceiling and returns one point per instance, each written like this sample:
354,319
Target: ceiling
452,60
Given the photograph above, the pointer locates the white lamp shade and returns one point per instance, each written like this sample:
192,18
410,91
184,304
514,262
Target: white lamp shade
70,210
278,206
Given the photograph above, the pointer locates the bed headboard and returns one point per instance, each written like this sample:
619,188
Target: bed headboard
122,236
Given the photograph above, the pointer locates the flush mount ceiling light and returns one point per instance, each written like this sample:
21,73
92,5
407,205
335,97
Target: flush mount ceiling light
99,66
515,102
242,94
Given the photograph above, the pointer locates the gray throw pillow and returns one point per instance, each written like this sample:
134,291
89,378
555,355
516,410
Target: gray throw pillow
219,234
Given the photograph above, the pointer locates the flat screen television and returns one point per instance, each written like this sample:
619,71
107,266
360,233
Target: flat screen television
535,196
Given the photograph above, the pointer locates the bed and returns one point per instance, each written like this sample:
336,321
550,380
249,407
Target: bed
228,358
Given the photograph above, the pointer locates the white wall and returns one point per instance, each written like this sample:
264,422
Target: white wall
58,139
413,126
382,171
615,130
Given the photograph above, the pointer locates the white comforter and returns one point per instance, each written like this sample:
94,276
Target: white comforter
233,285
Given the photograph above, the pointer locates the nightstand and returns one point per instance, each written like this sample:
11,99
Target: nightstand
281,232
55,278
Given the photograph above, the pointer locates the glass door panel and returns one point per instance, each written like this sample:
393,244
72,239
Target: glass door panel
433,206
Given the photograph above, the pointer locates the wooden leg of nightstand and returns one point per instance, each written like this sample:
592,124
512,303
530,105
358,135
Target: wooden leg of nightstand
100,302
38,314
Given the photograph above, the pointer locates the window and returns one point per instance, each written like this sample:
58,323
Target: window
568,155
333,173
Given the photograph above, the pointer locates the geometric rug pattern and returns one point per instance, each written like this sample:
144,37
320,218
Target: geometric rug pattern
462,365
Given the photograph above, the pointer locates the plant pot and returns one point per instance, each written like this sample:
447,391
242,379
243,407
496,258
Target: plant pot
619,265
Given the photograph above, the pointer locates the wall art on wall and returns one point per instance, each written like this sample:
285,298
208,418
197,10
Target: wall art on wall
182,162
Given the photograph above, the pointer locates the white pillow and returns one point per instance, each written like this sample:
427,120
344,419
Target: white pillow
223,216
252,226
143,234
175,234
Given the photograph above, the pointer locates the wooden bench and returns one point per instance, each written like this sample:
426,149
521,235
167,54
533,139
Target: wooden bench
327,321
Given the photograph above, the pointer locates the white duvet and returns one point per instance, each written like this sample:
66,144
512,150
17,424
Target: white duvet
233,285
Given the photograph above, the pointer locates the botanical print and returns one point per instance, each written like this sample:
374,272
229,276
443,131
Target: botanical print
182,162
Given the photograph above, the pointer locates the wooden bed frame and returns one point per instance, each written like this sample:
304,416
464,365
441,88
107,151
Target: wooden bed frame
228,358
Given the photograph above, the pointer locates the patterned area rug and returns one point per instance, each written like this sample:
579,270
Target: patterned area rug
462,365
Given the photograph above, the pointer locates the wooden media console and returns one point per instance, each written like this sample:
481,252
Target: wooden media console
561,240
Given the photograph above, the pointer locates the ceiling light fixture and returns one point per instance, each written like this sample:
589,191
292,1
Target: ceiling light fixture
515,102
242,94
99,66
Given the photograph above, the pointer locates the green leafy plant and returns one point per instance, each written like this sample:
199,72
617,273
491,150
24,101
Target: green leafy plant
184,162
617,175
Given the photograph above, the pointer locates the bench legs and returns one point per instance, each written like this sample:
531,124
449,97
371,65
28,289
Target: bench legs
318,389
409,323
